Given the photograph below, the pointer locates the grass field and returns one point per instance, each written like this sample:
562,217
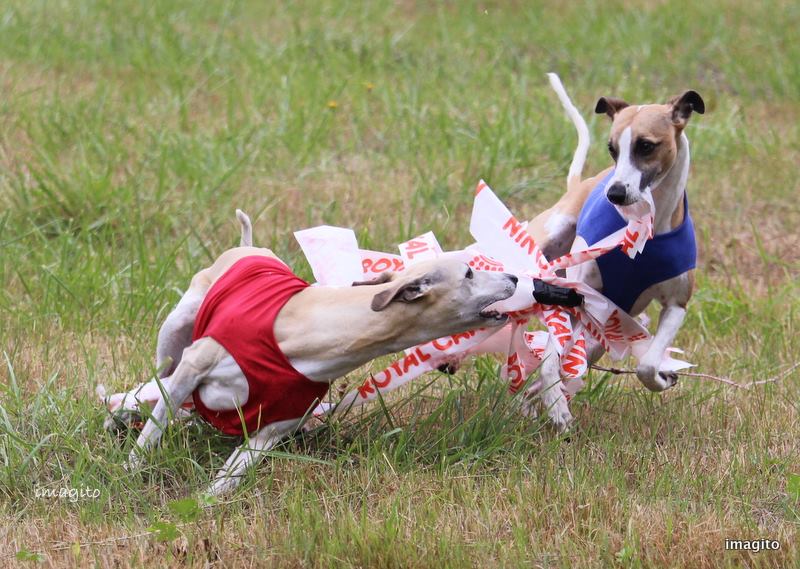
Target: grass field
129,132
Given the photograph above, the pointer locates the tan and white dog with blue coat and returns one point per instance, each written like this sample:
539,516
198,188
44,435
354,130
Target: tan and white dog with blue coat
650,150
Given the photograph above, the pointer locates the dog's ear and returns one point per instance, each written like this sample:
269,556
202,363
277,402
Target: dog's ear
609,106
684,105
406,290
383,278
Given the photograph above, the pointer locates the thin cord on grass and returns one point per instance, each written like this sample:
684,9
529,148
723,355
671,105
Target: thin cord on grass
725,380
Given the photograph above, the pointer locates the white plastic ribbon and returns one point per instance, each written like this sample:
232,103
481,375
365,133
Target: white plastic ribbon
503,244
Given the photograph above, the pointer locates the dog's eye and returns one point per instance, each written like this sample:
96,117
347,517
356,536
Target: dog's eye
612,150
469,274
644,147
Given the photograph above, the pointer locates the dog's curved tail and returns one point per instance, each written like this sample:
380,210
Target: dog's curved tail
247,229
579,158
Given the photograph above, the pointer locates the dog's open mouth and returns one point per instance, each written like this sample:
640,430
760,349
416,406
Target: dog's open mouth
493,315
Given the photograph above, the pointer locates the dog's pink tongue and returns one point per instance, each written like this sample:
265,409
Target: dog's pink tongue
520,300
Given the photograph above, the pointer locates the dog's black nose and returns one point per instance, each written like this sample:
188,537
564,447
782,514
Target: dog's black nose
616,194
513,279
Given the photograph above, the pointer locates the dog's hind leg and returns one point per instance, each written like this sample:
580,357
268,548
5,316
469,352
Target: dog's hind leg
175,334
198,360
249,453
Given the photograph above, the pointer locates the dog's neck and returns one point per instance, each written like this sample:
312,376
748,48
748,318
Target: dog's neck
669,189
307,324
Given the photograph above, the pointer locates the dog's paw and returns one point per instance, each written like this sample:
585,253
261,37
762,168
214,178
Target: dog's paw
221,486
122,420
134,462
450,364
669,377
655,380
647,375
528,407
448,368
560,417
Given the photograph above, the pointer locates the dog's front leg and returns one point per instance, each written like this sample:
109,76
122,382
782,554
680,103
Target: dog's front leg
248,454
647,371
549,389
125,408
198,359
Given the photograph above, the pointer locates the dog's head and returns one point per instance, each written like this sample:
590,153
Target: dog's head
445,296
644,142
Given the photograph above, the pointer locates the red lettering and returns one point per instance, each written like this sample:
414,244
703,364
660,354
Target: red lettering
629,240
423,357
462,336
366,388
575,362
415,247
513,225
410,361
381,264
528,243
559,329
614,327
572,364
556,315
442,346
515,373
387,379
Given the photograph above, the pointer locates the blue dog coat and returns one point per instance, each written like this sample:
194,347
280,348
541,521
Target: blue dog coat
664,256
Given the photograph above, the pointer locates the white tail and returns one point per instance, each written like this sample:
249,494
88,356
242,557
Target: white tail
579,158
247,229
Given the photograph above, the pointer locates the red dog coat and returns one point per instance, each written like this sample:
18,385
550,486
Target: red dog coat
239,312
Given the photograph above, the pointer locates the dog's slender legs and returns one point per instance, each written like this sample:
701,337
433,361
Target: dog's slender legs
594,350
125,407
249,453
198,360
647,371
175,334
549,389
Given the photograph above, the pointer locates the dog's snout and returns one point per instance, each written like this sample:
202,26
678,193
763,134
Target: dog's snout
616,193
512,278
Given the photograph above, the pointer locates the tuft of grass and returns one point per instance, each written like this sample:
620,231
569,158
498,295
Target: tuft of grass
129,133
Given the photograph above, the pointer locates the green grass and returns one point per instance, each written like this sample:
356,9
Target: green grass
129,133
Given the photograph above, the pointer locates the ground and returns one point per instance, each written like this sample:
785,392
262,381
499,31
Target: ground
129,133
